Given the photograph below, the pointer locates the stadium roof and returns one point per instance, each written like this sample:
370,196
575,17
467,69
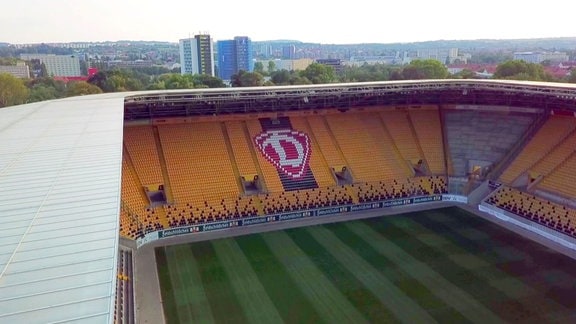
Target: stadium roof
60,175
197,102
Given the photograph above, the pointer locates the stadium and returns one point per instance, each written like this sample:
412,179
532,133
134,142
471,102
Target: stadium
404,201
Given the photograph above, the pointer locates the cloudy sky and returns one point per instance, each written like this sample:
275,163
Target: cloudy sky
335,22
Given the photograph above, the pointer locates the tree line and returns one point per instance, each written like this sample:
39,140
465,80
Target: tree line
14,91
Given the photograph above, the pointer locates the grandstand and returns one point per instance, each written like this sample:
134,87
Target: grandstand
107,175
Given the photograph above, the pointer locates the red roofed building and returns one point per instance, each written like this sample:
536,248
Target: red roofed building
557,71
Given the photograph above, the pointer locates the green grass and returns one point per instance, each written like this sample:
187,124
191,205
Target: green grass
444,265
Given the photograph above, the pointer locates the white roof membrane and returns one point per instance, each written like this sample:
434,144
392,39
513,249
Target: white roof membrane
60,176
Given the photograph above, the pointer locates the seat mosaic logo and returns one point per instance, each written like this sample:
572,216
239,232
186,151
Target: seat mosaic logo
288,150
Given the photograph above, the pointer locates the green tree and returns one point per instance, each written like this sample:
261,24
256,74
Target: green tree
368,72
100,79
271,66
207,81
491,56
153,70
319,73
82,88
285,77
396,74
120,80
186,81
8,61
252,79
42,92
247,79
572,76
12,90
178,81
235,79
158,85
464,74
45,89
259,67
424,69
281,77
298,79
521,70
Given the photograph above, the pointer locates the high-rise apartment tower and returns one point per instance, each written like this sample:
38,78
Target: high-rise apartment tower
197,55
234,55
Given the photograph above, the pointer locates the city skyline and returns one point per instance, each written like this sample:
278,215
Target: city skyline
38,21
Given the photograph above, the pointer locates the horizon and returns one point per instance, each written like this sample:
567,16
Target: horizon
299,41
26,22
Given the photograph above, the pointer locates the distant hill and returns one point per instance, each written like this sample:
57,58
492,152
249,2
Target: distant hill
560,43
548,43
281,41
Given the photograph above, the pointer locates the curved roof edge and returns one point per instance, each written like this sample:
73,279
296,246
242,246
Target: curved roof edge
526,85
195,102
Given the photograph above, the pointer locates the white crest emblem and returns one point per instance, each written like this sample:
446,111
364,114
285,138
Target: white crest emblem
287,150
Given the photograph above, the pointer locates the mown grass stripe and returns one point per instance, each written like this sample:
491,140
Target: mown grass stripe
485,238
223,302
519,265
167,289
485,291
514,247
501,244
439,310
403,307
195,298
438,257
342,278
528,261
257,306
463,221
291,303
328,301
485,254
451,294
182,304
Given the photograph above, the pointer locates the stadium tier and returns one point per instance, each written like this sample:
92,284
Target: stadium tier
402,132
549,136
226,169
141,145
542,211
246,166
428,129
563,179
482,136
368,151
317,164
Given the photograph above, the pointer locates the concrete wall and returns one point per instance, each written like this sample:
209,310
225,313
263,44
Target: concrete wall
481,137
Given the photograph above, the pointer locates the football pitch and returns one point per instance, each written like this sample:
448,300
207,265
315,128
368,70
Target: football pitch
444,265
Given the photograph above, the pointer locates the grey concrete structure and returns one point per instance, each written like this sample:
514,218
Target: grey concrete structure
476,137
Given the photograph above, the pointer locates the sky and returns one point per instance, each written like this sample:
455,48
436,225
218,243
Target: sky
334,22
